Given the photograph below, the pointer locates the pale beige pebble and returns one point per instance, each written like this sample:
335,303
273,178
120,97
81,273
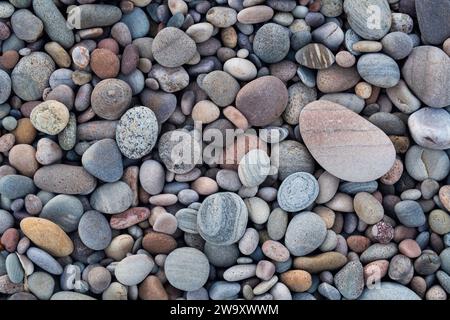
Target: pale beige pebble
141,3
394,174
258,210
275,251
327,215
366,46
7,142
22,157
205,111
164,200
205,186
165,223
436,292
48,151
265,270
200,32
363,90
236,117
375,271
328,186
50,117
410,248
444,196
341,202
155,213
345,59
368,208
241,69
58,54
119,247
255,14
229,37
177,6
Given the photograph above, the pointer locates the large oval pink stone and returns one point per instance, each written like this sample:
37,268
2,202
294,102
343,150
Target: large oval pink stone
344,143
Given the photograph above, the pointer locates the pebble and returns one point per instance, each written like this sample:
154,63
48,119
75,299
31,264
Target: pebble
378,251
155,243
221,87
260,105
305,233
271,43
44,261
297,192
221,17
329,34
336,79
228,180
60,178
379,159
277,224
50,117
379,70
368,208
48,151
64,210
296,280
152,177
137,132
119,247
42,285
70,295
275,251
172,47
432,137
397,45
253,168
137,22
31,75
205,112
110,98
241,69
221,256
226,210
16,186
315,56
410,213
221,290
428,81
389,291
14,269
350,280
47,235
112,198
133,269
180,266
439,221
433,24
255,14
152,289
94,230
418,163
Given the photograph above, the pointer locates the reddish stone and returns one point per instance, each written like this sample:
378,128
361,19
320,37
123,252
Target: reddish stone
129,218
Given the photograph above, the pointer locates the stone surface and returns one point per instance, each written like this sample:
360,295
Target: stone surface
434,24
305,233
112,197
315,56
103,160
435,136
133,269
379,70
297,192
64,210
94,230
172,47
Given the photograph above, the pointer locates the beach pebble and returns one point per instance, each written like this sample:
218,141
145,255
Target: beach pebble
271,43
152,177
42,285
94,230
112,197
50,117
368,208
254,167
103,160
350,280
379,69
389,291
432,137
133,269
422,163
110,98
64,210
297,192
305,233
315,56
44,261
172,47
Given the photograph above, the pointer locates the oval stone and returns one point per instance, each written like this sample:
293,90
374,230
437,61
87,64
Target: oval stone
103,160
94,230
64,210
133,269
222,218
254,167
345,144
50,117
429,128
379,69
63,178
297,192
112,198
389,291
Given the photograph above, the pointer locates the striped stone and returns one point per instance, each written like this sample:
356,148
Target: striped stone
315,56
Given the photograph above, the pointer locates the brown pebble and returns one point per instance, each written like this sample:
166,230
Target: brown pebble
152,289
409,248
7,142
275,251
236,117
418,285
401,144
129,218
363,90
9,239
394,174
105,63
156,243
9,59
375,271
444,196
130,59
28,107
358,243
25,132
297,280
22,157
345,59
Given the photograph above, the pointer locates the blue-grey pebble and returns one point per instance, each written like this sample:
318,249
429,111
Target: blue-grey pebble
103,160
329,34
137,22
14,268
94,230
12,43
379,251
6,221
350,280
2,265
221,256
88,16
328,291
444,280
42,285
410,213
284,266
307,76
176,20
175,187
16,186
389,291
5,86
112,198
271,43
303,296
64,210
348,100
44,261
397,45
350,38
379,70
222,290
445,260
70,295
423,239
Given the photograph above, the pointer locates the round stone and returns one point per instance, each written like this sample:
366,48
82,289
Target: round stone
94,230
137,132
422,163
297,192
299,96
241,69
105,63
170,79
42,285
112,197
133,269
31,75
262,100
379,69
103,160
99,279
350,280
152,177
364,152
435,136
271,43
397,45
410,213
220,87
439,222
186,269
254,167
110,98
368,208
221,256
305,233
222,218
179,151
64,210
289,157
26,26
50,117
172,47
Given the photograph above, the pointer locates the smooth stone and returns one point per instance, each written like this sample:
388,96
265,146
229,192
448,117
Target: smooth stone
445,260
255,14
137,132
329,292
379,70
305,233
436,136
336,79
26,25
112,198
64,210
200,32
44,261
410,213
368,208
172,47
94,230
42,285
55,24
300,39
348,100
110,98
439,221
98,279
297,280
389,291
103,160
429,81
241,69
239,272
271,43
187,220
402,97
350,280
262,100
14,186
31,75
254,167
5,82
50,117
221,256
258,210
48,151
378,251
397,45
220,87
321,262
299,96
63,178
170,79
221,17
434,24
68,137
187,269
47,235
88,16
119,247
329,34
328,187
137,22
277,224
70,296
14,269
221,290
179,151
359,15
222,218
228,180
6,221
422,163
428,263
297,192
133,269
376,152
152,177
315,56
401,269
161,103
